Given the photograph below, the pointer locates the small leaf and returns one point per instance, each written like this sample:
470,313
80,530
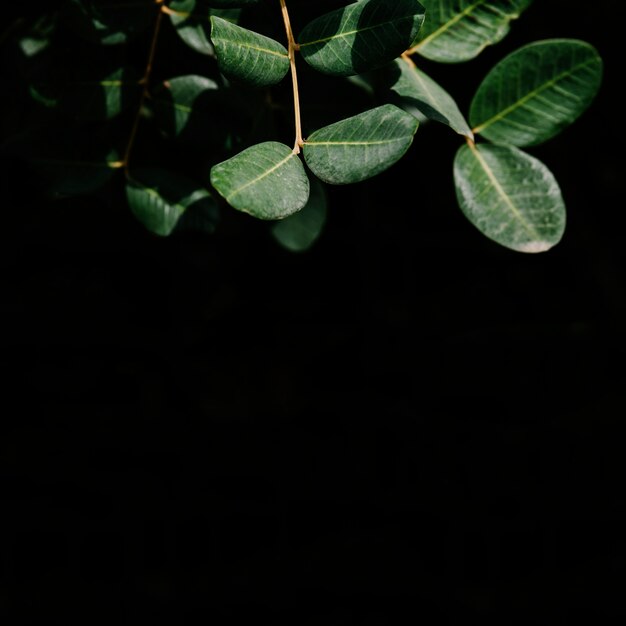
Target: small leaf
178,100
459,30
362,36
69,162
430,99
301,230
192,21
536,92
226,4
246,56
159,199
361,146
110,22
511,197
267,181
101,97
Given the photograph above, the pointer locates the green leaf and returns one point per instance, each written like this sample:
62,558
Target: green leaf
67,161
192,21
110,22
510,196
429,98
361,146
226,4
536,92
246,56
459,30
178,104
267,181
300,231
361,36
159,199
101,97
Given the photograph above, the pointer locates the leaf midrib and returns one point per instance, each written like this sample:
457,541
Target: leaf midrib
449,24
354,32
284,55
259,178
517,214
354,143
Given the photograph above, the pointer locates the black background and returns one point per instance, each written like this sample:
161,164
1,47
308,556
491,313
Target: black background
408,423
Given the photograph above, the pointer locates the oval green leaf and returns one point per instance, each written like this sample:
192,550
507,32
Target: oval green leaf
361,146
301,230
267,181
459,30
510,196
246,56
192,21
536,92
159,199
416,88
361,36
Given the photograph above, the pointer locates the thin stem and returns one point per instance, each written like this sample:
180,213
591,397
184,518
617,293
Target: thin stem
145,83
293,48
407,59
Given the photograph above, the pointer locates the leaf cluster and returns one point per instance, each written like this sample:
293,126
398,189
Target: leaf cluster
191,107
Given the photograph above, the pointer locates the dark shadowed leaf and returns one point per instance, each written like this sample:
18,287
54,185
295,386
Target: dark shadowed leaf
192,21
110,22
416,88
159,199
361,36
301,230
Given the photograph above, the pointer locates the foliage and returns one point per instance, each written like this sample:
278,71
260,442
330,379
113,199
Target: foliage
347,84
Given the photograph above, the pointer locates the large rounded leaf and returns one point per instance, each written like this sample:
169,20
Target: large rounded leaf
459,30
362,36
159,199
509,196
267,181
536,92
419,90
361,146
246,56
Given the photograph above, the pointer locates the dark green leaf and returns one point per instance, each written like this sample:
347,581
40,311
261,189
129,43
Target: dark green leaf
110,22
300,231
361,146
68,162
536,92
159,199
267,181
192,21
459,30
510,197
415,87
178,102
362,36
246,56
